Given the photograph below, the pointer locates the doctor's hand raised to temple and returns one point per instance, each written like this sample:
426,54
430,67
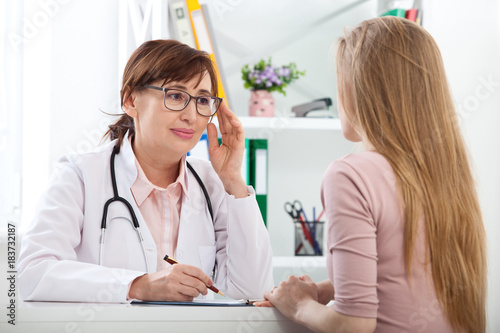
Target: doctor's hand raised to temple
227,158
175,283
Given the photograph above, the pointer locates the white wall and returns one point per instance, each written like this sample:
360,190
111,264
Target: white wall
468,33
288,31
71,74
85,76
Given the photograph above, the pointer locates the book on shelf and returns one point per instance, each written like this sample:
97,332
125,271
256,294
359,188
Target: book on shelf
412,14
179,16
399,12
202,37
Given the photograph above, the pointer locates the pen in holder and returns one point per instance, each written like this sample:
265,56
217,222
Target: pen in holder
309,238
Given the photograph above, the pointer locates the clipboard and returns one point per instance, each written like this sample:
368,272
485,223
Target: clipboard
199,302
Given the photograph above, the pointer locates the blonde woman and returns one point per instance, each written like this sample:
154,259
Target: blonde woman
406,242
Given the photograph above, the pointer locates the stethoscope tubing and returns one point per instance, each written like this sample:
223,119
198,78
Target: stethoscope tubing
135,221
115,198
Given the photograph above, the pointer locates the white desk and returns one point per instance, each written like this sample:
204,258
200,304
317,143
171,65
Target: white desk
56,317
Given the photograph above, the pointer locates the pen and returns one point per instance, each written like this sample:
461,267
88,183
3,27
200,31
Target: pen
172,261
319,217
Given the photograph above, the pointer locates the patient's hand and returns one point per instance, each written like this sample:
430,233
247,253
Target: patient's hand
326,293
264,304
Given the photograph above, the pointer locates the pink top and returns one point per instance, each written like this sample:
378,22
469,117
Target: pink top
161,209
365,257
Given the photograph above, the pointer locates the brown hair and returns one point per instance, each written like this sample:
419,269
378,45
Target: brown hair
392,83
159,60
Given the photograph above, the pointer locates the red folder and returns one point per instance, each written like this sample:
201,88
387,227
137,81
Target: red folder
411,14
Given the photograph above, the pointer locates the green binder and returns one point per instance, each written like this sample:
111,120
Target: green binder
254,171
258,173
395,12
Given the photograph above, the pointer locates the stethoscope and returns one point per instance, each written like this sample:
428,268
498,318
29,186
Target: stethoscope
135,222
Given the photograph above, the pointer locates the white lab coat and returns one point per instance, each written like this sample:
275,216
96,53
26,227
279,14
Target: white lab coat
59,258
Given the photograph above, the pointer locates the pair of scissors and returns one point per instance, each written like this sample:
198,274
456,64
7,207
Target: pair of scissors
295,210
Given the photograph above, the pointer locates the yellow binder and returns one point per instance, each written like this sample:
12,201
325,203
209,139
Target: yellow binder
202,37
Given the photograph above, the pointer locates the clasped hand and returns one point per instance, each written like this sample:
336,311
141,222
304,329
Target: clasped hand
291,295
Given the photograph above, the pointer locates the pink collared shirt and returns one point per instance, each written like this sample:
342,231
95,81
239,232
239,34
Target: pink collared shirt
365,257
161,209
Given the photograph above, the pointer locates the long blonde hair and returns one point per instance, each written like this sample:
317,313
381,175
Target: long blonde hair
392,84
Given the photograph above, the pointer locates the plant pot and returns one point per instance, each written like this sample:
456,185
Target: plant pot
261,104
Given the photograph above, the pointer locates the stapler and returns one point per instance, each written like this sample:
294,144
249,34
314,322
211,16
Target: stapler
318,104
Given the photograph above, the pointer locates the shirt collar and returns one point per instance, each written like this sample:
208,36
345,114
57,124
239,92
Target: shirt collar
142,187
182,178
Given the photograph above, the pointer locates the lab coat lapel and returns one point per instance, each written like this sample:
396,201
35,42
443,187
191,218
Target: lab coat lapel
196,231
126,174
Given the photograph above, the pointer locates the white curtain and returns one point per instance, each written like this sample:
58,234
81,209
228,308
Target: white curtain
11,89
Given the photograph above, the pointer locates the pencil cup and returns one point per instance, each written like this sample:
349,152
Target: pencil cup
309,238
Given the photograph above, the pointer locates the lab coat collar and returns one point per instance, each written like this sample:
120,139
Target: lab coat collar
126,159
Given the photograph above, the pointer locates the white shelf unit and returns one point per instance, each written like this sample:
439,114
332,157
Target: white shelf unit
291,122
264,127
299,152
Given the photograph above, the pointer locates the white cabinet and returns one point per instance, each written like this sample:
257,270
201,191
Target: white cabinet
315,267
299,151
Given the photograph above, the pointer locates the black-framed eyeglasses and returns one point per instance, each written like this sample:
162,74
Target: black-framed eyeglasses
177,100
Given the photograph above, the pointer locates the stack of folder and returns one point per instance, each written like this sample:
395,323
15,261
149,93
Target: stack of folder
190,26
413,14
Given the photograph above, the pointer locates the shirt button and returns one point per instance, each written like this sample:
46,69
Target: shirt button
179,255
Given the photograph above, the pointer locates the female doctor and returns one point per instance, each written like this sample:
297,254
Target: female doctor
77,250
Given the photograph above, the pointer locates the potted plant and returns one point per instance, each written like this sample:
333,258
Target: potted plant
262,80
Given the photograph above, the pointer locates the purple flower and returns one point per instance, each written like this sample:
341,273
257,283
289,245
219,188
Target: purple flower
273,77
284,72
265,76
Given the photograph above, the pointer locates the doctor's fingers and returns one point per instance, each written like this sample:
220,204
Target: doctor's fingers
192,291
306,279
197,273
197,286
221,119
228,121
213,138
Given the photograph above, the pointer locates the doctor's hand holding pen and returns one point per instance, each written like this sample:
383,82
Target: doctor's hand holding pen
227,158
175,283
